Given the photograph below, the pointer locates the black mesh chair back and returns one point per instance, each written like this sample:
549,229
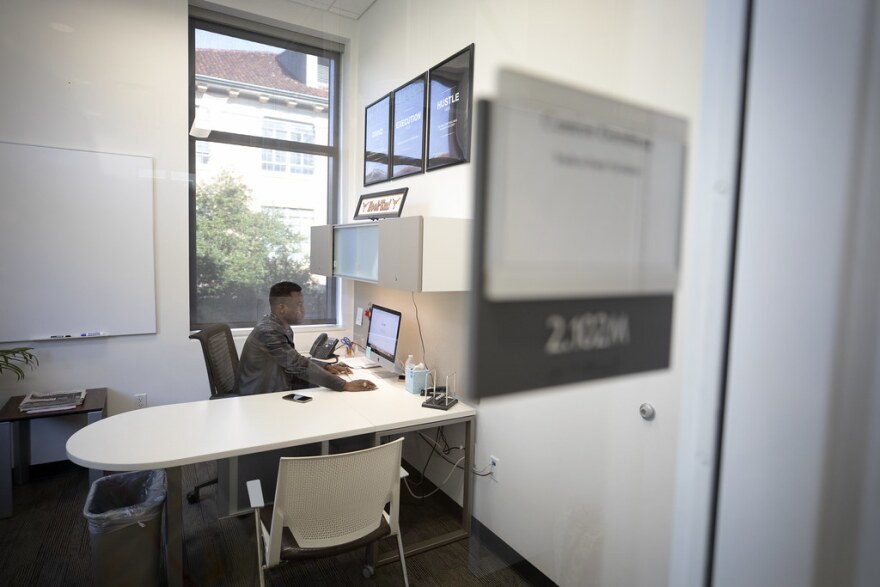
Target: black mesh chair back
221,359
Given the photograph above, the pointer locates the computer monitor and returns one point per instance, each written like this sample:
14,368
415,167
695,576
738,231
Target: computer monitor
382,335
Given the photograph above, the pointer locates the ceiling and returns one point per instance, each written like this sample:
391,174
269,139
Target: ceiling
348,8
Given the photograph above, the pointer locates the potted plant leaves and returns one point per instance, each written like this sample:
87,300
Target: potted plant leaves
16,359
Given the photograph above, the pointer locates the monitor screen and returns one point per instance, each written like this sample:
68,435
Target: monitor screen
383,332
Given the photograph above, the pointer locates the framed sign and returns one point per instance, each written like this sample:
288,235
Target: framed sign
600,293
377,141
408,152
450,95
381,205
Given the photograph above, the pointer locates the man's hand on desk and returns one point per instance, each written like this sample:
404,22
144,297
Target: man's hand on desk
339,369
359,385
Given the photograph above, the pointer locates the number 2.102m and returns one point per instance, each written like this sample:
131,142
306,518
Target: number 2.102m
586,332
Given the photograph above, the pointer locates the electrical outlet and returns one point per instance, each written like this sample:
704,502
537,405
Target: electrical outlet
140,401
493,467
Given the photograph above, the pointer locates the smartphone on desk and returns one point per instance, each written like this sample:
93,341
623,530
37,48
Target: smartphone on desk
297,397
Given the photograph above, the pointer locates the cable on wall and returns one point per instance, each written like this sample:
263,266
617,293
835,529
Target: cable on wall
419,324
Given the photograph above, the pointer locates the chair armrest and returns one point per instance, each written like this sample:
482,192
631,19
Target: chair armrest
255,493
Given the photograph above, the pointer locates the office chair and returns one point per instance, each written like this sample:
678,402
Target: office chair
328,505
221,360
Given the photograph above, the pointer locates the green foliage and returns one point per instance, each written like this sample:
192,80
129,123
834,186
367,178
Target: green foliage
240,252
235,246
14,359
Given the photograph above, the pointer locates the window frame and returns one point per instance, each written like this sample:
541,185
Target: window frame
252,31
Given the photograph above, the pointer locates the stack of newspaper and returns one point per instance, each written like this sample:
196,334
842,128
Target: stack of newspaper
52,401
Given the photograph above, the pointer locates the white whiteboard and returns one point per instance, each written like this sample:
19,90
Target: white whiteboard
76,243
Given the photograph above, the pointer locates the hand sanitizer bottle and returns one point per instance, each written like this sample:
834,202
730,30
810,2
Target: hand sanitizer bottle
408,373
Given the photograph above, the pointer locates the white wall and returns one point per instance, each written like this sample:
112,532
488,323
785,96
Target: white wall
585,487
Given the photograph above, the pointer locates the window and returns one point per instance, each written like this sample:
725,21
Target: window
263,155
203,152
283,160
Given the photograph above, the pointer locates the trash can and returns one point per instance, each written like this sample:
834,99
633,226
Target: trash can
125,522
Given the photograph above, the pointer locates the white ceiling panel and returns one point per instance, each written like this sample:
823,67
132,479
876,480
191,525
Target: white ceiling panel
348,8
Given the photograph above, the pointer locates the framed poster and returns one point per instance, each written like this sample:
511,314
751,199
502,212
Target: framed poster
381,204
377,141
408,152
450,96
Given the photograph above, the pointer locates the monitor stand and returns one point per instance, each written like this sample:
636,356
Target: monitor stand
386,369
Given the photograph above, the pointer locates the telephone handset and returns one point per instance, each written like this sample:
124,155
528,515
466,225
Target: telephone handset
323,347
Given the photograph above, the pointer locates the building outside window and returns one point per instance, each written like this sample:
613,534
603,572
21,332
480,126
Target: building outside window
286,161
203,152
263,152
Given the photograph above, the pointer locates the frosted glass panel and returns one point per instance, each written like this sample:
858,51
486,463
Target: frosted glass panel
356,251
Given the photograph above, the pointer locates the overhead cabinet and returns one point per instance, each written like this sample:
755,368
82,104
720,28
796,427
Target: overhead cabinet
412,253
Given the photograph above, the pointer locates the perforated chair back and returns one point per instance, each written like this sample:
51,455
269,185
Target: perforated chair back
221,359
330,500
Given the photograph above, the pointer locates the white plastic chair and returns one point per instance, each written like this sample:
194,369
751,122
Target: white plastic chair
330,504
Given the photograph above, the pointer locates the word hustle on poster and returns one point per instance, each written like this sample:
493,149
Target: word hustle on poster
447,101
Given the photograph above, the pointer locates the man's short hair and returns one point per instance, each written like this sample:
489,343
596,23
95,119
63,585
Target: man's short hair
282,290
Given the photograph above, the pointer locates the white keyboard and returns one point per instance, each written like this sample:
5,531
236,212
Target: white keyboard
360,363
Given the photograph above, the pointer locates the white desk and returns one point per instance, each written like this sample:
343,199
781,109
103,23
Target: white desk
168,437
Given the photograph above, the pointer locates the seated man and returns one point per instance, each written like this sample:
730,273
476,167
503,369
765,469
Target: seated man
270,361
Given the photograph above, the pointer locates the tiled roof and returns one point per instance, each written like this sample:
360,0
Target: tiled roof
251,67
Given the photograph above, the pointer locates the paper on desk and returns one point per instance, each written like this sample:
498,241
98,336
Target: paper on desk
56,399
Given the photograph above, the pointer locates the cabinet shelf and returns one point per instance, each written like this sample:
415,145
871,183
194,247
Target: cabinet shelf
412,253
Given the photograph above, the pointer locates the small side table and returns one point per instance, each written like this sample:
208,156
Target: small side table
15,440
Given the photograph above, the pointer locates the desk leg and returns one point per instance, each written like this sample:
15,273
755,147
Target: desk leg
174,527
21,451
466,497
5,469
227,487
94,474
466,491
